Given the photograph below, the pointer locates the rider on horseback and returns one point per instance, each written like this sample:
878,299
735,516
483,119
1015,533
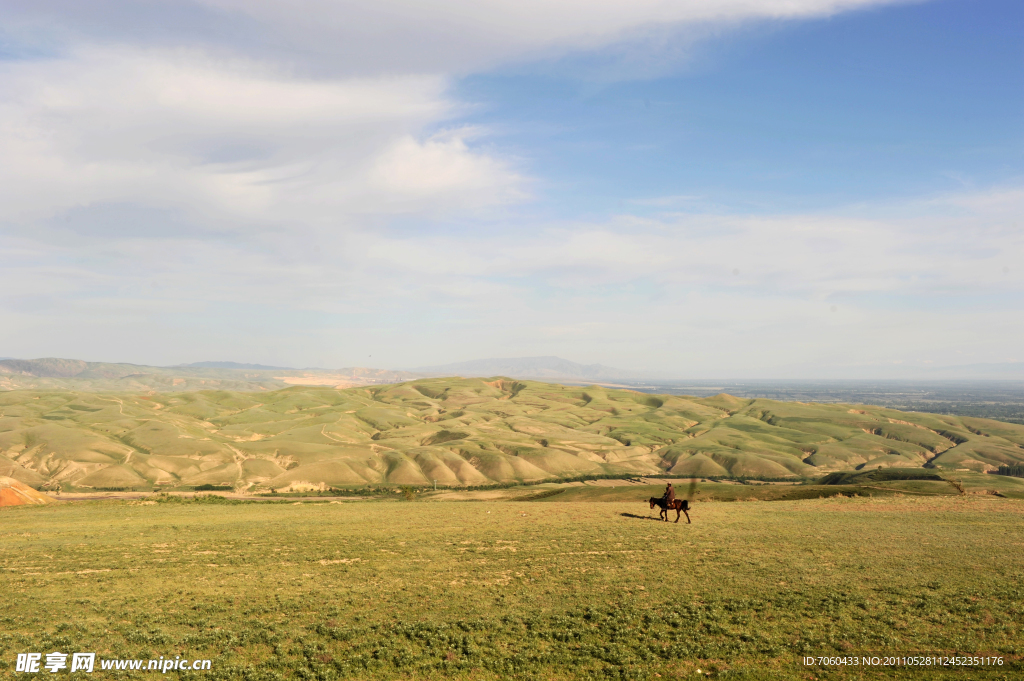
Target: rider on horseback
668,502
670,495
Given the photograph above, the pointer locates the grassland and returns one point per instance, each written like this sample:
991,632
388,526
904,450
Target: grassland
463,432
552,590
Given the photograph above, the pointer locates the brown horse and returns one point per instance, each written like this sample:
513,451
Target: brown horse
678,505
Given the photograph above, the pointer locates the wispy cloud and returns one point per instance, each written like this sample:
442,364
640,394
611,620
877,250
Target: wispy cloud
392,36
231,138
825,289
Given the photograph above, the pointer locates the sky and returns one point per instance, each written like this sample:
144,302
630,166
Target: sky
692,189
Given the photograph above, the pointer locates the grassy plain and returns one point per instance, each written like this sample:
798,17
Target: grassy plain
553,590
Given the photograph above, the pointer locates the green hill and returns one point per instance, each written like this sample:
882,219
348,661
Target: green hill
465,432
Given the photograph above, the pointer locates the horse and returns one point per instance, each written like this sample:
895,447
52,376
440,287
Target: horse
677,505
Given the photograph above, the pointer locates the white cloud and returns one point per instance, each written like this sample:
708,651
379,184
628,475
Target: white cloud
443,165
490,29
231,137
808,256
399,36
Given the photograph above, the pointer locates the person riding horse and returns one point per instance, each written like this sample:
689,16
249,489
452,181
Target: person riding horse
669,502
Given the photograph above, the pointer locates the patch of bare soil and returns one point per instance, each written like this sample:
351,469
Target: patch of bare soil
15,493
333,380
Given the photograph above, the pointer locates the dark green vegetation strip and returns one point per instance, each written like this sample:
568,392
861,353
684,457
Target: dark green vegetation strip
529,591
879,475
1015,471
546,494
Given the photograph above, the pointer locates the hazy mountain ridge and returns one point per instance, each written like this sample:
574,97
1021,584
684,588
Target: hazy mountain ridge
74,374
230,365
552,367
71,374
49,367
986,370
544,367
465,432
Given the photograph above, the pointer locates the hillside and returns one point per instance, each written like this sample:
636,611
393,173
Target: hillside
16,493
464,432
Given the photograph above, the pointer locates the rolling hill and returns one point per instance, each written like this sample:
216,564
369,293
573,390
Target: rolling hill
464,432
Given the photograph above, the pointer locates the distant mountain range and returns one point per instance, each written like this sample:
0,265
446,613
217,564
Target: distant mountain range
558,369
229,365
53,373
990,371
547,367
55,367
75,374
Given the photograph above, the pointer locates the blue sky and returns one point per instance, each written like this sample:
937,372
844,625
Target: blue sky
779,189
879,104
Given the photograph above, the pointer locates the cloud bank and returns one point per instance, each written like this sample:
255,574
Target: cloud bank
234,140
395,36
291,183
689,294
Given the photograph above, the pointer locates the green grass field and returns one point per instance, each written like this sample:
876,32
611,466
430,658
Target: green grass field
530,590
464,432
